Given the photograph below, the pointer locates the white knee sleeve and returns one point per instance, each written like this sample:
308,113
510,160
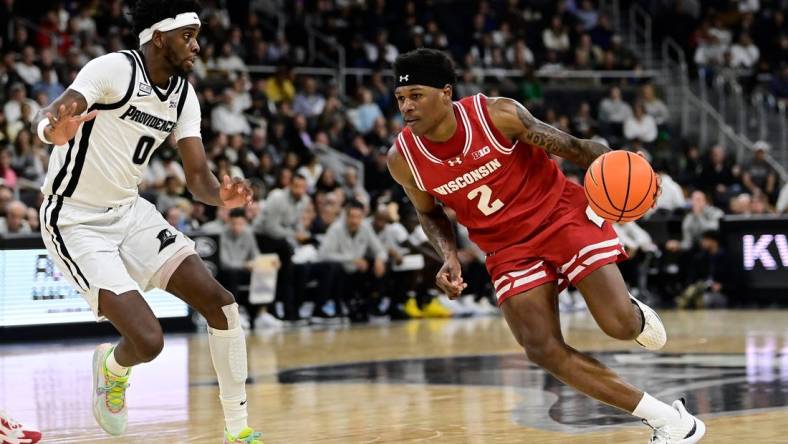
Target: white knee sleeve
228,347
232,315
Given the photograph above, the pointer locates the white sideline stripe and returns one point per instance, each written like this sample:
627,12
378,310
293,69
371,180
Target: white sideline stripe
588,248
515,274
591,260
503,290
520,282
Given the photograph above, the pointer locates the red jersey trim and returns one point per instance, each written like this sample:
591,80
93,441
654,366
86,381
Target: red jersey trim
498,140
403,148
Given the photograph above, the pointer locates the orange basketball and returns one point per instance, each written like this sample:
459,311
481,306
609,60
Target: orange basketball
620,186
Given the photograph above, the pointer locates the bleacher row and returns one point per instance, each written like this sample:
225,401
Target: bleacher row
272,128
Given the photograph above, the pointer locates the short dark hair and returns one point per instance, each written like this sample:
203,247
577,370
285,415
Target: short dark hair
148,12
712,235
237,212
438,61
353,203
298,176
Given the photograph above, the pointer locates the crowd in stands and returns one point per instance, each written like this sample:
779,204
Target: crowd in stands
743,39
349,243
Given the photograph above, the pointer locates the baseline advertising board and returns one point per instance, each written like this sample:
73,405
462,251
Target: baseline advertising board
34,291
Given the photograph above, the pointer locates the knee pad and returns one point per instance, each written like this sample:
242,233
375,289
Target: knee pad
233,316
236,344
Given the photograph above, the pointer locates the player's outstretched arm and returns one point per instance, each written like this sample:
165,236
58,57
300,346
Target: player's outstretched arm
63,117
516,122
435,223
204,185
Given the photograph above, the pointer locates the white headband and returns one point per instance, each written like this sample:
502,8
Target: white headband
168,24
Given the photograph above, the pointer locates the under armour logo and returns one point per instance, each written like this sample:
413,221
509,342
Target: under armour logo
454,162
404,78
165,239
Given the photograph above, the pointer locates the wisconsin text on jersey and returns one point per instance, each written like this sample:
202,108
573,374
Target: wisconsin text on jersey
468,178
148,119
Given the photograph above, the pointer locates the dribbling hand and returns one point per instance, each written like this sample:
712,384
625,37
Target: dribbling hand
63,127
449,278
234,192
659,182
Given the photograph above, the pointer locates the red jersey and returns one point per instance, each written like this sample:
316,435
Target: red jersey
501,190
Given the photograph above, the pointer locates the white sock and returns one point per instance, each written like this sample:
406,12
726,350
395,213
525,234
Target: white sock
228,353
113,366
650,408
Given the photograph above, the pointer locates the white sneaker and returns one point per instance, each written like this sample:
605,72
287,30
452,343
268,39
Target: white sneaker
469,302
487,307
109,394
652,335
267,321
685,430
458,310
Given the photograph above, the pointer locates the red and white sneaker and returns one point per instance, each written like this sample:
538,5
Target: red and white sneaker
12,432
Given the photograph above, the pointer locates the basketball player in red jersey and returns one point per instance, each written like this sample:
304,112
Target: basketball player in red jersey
487,158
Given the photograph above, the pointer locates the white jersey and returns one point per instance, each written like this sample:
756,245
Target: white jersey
104,163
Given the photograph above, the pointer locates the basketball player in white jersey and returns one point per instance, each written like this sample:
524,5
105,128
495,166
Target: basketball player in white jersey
111,244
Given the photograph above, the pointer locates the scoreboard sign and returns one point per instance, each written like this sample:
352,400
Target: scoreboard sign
759,248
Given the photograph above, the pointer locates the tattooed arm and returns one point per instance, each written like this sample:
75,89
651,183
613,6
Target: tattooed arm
435,223
516,122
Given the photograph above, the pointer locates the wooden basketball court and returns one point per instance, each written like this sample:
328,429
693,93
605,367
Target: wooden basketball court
436,381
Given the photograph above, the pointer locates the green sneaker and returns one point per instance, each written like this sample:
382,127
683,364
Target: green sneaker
109,394
245,436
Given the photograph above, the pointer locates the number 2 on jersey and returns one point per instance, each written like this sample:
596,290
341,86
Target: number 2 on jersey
485,194
143,149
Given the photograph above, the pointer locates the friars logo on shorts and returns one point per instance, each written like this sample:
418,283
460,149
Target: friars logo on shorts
165,238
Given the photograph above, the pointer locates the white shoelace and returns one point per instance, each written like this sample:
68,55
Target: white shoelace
659,433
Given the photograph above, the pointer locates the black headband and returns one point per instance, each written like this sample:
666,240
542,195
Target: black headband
421,75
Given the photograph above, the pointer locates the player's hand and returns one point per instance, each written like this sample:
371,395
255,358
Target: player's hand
659,182
361,264
302,236
63,127
673,245
234,192
449,278
379,268
396,257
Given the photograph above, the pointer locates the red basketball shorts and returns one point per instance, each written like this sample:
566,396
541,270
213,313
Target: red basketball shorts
571,243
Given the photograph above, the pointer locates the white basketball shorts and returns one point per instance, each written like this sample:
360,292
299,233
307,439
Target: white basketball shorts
118,249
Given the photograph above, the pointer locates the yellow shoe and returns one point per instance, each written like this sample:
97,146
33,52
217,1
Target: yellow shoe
436,310
109,394
245,436
412,309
